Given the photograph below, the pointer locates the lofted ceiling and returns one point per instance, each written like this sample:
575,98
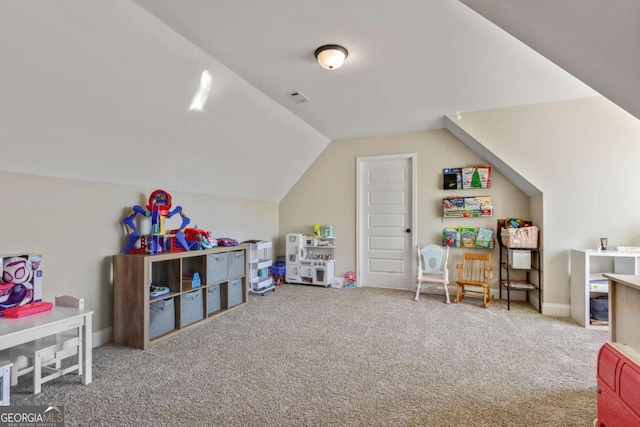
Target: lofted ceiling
101,91
594,40
410,61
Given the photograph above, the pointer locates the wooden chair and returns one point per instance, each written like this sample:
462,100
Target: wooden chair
432,268
45,356
475,272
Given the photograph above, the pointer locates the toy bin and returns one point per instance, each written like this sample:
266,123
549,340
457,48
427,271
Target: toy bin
216,268
236,264
235,294
525,237
191,308
213,299
162,317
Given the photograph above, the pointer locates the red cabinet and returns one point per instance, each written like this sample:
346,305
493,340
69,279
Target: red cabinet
618,389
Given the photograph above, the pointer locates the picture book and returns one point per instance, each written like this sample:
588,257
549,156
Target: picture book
452,178
453,207
484,238
476,177
467,237
450,237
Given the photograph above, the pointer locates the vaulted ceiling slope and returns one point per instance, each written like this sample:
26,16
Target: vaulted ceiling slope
101,90
597,41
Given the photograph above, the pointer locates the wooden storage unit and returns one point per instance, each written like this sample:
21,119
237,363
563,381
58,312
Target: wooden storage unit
222,269
585,263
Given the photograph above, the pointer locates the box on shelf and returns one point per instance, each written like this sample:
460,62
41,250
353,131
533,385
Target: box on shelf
525,237
519,259
21,280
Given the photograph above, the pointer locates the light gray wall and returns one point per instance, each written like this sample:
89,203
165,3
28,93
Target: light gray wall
326,193
76,226
583,155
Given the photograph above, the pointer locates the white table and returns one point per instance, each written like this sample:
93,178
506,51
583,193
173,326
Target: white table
18,331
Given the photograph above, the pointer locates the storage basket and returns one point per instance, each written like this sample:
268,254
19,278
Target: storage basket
525,237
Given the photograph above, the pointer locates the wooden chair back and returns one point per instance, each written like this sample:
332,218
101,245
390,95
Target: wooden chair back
475,269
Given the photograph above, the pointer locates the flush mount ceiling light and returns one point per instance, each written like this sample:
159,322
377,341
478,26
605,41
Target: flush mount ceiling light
331,56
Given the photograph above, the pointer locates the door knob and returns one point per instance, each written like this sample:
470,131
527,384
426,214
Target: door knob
408,230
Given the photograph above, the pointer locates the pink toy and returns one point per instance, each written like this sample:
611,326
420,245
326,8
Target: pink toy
350,279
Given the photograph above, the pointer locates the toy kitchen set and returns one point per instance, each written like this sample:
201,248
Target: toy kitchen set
311,259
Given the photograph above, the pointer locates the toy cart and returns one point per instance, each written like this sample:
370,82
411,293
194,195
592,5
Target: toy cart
259,267
278,271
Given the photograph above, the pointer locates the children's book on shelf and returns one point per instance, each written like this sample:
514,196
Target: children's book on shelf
450,237
452,178
484,238
467,237
476,177
453,207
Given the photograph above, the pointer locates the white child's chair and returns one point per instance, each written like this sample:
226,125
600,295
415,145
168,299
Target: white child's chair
45,356
432,267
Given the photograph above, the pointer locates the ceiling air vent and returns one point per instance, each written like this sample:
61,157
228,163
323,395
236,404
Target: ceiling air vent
298,97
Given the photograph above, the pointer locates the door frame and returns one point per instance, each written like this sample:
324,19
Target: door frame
360,162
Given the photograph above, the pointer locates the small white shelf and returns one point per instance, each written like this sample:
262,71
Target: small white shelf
260,260
587,264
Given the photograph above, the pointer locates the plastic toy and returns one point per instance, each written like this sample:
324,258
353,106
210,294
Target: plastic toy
15,286
227,241
198,238
350,279
158,208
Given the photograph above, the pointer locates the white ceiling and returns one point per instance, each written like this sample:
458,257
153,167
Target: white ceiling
100,91
410,61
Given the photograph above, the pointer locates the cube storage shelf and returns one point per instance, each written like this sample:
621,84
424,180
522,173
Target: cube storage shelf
220,285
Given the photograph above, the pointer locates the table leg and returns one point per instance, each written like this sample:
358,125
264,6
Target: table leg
87,349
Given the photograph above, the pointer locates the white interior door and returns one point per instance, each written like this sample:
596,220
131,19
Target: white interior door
386,221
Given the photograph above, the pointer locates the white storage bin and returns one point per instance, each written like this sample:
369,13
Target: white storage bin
192,308
520,259
162,317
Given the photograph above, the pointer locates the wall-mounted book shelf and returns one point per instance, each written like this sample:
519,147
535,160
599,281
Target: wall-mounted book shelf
467,207
466,178
468,237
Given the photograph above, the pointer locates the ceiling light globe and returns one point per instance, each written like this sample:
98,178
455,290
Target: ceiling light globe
331,56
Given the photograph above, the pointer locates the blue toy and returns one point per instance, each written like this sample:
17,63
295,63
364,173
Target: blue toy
158,208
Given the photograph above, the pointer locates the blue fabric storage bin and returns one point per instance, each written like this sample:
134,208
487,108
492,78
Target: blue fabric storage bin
192,308
213,298
162,317
236,264
217,268
235,294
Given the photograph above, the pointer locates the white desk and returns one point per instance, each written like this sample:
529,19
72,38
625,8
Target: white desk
18,331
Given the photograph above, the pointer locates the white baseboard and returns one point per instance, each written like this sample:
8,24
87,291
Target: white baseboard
102,337
560,310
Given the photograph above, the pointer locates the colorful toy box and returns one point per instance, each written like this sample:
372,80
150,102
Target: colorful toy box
21,280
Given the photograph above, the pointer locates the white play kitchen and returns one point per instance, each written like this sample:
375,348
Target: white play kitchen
311,259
